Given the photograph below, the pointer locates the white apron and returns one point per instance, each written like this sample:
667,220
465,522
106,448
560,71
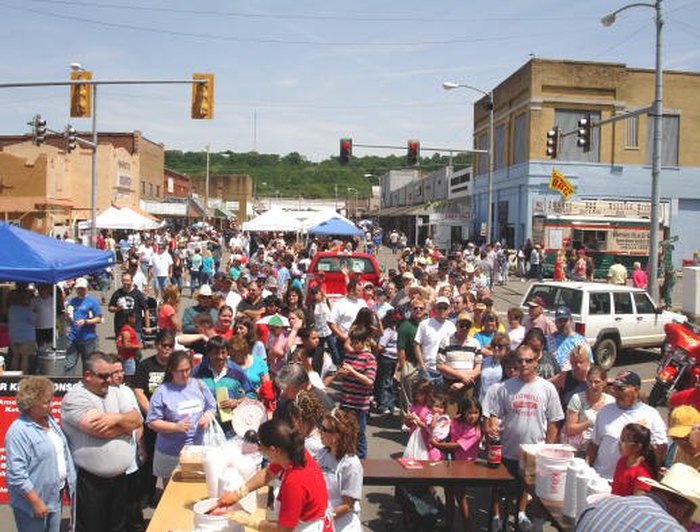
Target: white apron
350,522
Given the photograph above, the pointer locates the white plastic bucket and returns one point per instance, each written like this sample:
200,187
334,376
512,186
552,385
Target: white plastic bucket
550,478
218,523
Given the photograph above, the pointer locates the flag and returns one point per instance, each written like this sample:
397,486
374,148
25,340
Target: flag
562,185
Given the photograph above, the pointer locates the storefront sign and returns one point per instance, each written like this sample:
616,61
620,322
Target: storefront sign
629,240
562,185
9,412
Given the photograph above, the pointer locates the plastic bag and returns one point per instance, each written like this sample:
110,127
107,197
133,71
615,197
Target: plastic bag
415,447
214,435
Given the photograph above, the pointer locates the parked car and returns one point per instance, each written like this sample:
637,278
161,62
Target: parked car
331,264
611,317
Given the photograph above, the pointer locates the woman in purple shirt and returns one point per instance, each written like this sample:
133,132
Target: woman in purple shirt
179,411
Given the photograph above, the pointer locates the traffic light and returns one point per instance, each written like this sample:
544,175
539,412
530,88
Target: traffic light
39,130
553,142
71,138
203,97
345,151
80,95
583,133
413,152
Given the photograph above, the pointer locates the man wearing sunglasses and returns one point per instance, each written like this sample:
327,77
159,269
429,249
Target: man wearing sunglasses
603,450
407,366
524,409
98,422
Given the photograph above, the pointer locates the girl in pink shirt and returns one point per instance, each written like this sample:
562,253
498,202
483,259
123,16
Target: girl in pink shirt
465,437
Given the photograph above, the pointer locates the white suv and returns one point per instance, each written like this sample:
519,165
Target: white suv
611,317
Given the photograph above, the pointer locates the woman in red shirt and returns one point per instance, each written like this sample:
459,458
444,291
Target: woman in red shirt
302,497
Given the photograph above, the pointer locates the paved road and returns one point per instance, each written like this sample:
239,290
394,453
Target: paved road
379,511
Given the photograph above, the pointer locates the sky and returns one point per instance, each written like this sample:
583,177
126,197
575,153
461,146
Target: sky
298,76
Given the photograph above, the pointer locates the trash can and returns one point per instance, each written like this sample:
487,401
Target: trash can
51,362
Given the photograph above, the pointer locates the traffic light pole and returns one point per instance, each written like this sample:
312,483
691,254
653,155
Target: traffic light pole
93,172
424,148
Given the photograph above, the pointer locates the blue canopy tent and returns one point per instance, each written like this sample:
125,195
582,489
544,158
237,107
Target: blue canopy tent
336,227
29,257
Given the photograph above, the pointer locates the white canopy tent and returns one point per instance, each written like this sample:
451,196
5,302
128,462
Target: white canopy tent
114,218
291,220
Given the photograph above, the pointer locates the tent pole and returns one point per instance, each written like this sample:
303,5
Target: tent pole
53,336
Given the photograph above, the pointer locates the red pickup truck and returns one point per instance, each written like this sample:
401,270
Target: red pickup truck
331,264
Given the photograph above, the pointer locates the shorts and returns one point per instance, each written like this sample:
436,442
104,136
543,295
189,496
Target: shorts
164,464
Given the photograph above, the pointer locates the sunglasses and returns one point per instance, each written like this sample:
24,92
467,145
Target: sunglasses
103,376
464,325
170,346
418,309
525,360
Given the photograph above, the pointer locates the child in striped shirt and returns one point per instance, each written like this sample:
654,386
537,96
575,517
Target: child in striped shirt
358,372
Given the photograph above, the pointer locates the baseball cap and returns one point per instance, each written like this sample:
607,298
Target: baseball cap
562,313
480,306
627,378
682,420
442,300
536,301
407,275
465,316
81,282
204,290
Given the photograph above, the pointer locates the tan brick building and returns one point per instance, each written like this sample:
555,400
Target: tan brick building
42,187
544,93
235,190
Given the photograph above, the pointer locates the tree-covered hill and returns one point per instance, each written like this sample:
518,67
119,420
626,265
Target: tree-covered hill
293,174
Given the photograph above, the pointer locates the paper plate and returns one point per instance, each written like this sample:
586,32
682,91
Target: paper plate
248,415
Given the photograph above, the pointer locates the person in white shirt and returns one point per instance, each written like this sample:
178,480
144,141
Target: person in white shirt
603,450
343,314
432,334
161,269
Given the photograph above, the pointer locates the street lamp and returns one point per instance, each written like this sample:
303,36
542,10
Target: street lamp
354,210
77,67
657,114
449,85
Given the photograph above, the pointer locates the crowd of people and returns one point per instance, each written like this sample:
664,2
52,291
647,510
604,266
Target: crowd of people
424,345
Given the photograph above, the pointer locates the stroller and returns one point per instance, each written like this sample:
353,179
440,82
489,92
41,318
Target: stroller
152,324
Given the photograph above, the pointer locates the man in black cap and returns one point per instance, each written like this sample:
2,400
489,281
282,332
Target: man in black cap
603,451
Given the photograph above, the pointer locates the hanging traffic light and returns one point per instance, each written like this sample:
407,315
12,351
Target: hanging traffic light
345,151
553,142
413,152
71,138
203,97
80,95
583,133
39,130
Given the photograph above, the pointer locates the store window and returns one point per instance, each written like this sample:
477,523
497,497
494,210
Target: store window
669,132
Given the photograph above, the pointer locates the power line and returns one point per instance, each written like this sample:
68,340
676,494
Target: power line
341,18
259,40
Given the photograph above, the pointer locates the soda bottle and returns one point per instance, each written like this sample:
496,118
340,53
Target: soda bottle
494,447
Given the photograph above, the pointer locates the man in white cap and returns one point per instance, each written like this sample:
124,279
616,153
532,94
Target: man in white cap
204,304
432,334
672,505
83,312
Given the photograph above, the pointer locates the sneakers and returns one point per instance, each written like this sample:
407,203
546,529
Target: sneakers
524,522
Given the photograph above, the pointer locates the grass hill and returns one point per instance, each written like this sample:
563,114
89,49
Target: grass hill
292,173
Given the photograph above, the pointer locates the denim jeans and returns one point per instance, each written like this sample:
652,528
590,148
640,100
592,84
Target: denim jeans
386,399
339,351
83,349
29,523
362,416
331,347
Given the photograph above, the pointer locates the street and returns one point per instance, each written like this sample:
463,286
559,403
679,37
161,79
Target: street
385,439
